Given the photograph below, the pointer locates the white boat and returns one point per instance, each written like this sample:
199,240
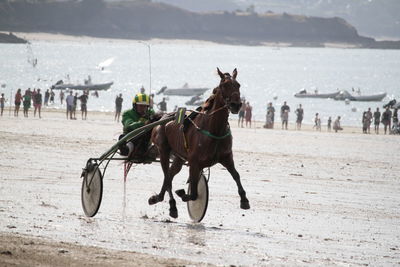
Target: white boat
304,94
89,86
184,91
343,95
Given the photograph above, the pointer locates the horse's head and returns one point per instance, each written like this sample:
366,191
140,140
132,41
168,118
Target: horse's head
229,89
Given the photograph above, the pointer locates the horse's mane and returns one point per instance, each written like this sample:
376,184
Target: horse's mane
210,100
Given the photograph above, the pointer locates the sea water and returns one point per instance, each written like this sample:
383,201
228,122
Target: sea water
266,74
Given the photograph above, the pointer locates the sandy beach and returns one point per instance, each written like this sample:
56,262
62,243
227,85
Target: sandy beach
317,198
58,37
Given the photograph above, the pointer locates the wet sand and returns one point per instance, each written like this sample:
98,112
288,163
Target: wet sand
317,198
22,250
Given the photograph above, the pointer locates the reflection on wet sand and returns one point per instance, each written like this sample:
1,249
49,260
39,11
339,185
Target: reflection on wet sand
196,234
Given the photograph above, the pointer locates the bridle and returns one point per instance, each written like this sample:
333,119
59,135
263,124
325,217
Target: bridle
226,106
227,100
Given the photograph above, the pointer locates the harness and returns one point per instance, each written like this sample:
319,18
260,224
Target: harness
196,112
207,133
203,131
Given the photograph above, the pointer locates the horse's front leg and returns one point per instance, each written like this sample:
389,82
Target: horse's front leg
229,164
175,168
194,175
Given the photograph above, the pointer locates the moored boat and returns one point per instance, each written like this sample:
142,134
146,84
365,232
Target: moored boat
343,95
304,94
90,87
184,91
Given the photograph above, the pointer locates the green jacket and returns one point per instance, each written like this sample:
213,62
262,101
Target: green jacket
131,120
27,101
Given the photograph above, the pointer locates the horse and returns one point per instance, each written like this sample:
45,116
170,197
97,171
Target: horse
206,142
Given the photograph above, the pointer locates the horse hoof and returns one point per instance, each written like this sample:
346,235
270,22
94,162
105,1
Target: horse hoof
153,200
181,192
187,198
244,205
173,213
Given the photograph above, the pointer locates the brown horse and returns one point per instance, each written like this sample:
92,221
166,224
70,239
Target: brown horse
206,141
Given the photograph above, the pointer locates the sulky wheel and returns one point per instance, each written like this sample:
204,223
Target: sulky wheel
197,208
92,189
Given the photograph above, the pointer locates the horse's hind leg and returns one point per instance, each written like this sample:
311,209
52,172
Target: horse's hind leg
229,164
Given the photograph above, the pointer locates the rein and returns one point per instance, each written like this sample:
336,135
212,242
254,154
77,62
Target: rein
209,114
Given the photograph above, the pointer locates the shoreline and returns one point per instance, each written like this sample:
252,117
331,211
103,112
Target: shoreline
59,37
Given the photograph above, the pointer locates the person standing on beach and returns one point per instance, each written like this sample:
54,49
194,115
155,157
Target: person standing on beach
38,103
33,97
70,105
74,106
377,120
285,119
364,122
52,94
386,119
395,119
336,125
268,120
118,107
84,98
285,109
27,103
248,114
271,110
17,102
46,97
368,117
62,96
241,113
162,105
2,104
300,114
329,124
317,122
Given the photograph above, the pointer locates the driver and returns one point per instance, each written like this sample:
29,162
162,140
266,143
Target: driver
139,115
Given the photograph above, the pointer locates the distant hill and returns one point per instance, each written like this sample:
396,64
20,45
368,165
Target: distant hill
145,20
378,19
11,38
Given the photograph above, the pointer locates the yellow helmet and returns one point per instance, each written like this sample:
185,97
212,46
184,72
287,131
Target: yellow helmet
141,99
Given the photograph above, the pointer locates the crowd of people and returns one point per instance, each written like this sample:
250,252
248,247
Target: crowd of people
72,102
245,114
28,99
299,112
388,118
34,98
